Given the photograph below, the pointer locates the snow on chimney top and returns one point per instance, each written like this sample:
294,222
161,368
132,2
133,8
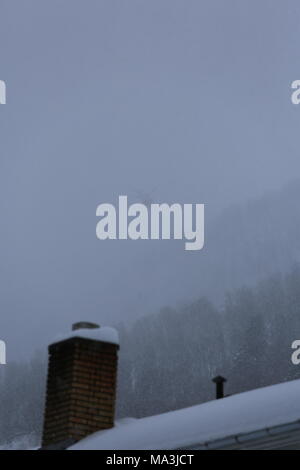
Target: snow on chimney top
84,325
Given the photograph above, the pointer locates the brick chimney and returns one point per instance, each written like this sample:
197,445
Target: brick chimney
81,385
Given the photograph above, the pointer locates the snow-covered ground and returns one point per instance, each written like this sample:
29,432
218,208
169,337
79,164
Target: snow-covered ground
25,442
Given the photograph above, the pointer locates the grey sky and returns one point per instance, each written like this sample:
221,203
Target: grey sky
188,100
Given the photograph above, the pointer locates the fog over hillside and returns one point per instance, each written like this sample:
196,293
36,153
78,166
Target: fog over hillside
251,241
243,245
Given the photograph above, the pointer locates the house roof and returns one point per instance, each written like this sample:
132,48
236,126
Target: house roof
240,414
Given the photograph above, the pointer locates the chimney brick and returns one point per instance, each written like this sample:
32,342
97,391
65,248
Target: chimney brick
81,390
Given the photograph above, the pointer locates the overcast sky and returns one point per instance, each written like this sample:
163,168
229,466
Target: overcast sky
185,101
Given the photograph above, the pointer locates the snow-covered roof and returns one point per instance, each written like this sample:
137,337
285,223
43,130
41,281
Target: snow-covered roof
105,334
215,420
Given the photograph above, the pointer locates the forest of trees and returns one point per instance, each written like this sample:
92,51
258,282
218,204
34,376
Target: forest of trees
167,360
